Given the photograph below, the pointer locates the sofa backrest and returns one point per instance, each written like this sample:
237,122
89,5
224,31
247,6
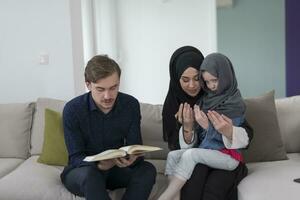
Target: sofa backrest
288,112
16,123
151,127
15,127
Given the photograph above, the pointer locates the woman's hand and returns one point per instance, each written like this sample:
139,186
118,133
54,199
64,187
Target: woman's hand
221,123
178,115
188,117
185,116
201,117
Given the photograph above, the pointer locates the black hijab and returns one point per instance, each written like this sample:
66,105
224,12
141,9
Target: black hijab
227,98
181,59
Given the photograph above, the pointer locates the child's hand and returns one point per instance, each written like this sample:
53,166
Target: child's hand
221,123
201,117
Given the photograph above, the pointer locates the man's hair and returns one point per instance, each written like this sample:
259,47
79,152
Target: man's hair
99,67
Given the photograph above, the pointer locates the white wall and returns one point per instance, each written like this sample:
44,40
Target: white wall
27,29
149,32
142,34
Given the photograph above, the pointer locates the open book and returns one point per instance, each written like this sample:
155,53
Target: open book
121,152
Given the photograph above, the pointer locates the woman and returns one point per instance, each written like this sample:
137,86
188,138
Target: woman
184,91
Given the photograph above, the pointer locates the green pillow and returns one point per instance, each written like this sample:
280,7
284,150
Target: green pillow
54,150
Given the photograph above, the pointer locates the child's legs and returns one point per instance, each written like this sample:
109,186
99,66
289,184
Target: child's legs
211,158
215,159
172,161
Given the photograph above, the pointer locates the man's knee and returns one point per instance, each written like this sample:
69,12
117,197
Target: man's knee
94,177
146,172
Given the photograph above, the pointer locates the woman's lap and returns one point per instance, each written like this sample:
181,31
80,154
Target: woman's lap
213,184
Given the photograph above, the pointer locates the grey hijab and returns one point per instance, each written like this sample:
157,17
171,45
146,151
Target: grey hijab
227,99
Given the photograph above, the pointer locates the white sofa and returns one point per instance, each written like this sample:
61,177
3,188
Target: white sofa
23,178
274,179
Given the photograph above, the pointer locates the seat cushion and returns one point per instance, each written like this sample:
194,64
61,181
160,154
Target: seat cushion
45,179
15,126
8,164
159,165
32,180
272,180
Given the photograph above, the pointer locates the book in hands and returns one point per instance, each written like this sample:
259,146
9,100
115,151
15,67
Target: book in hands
121,152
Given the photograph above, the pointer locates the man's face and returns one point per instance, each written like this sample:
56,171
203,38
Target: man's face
105,91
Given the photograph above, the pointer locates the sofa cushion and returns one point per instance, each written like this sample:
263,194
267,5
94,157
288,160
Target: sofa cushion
266,144
45,179
151,127
15,126
37,135
54,148
288,110
271,180
8,164
32,180
160,165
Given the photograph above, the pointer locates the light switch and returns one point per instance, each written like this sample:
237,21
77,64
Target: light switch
44,59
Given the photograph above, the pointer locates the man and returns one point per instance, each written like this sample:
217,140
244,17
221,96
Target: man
102,119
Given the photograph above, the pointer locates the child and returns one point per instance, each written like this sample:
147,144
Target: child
222,96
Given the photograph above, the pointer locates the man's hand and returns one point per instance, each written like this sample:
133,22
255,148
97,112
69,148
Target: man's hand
201,117
221,123
106,164
125,162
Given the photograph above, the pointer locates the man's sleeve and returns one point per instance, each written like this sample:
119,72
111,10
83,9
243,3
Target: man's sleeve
134,133
73,138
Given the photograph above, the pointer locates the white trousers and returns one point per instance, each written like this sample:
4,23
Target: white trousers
181,163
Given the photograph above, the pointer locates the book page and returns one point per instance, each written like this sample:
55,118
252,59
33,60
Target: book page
137,149
105,155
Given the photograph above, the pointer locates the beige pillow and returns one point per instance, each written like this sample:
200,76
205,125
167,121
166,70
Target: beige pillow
288,112
15,126
266,144
37,133
151,128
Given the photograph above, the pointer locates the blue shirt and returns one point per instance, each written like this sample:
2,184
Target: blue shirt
212,139
89,131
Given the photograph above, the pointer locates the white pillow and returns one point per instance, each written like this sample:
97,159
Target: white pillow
288,113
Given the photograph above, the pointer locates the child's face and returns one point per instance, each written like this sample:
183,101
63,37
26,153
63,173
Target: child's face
211,81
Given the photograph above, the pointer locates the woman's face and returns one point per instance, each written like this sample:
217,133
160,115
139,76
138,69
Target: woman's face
189,81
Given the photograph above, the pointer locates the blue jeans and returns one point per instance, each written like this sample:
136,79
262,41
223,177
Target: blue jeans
92,183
